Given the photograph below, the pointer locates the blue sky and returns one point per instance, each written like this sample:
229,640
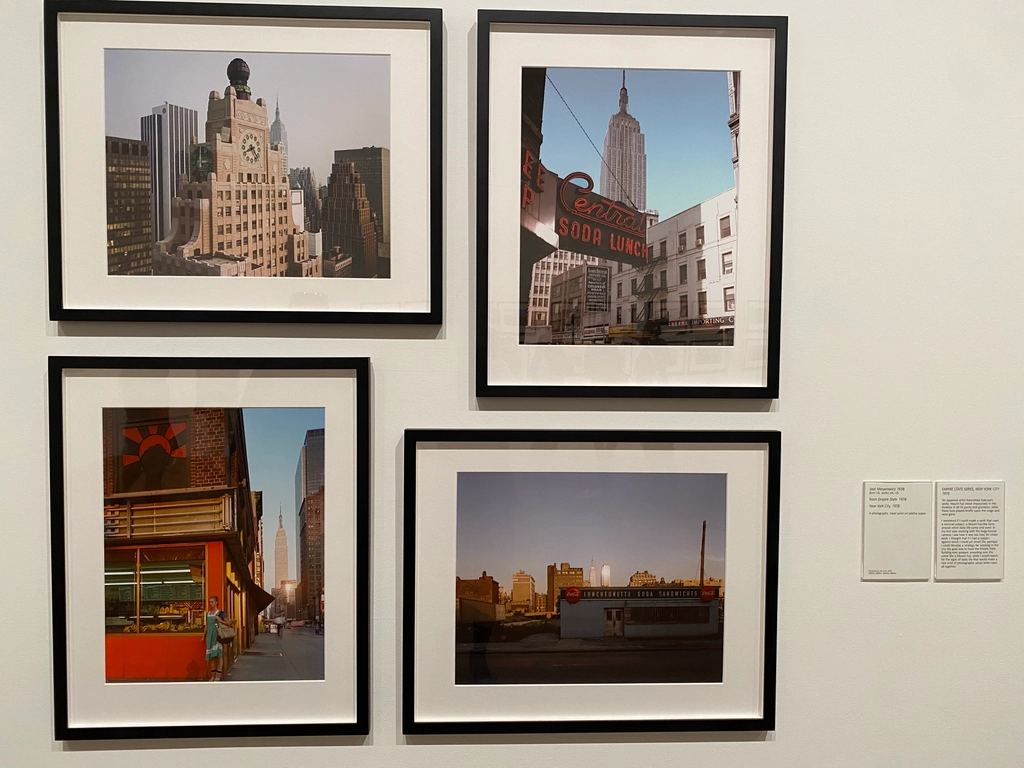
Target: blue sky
328,101
683,115
273,437
507,521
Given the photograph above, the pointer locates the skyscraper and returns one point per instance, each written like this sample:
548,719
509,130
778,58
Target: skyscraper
279,136
233,215
606,575
373,164
129,208
347,222
305,179
280,553
310,574
309,472
169,131
624,170
593,574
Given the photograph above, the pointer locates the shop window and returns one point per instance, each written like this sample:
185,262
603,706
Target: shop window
155,589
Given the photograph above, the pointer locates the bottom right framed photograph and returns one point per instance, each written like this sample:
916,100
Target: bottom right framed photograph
582,581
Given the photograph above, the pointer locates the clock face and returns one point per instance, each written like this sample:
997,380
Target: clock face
251,149
202,163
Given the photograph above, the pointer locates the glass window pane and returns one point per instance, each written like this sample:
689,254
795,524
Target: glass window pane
119,590
172,589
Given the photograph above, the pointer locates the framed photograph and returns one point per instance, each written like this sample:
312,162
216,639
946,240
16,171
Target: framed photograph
629,222
589,581
190,144
205,515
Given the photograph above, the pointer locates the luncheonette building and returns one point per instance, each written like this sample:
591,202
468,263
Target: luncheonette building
180,524
232,216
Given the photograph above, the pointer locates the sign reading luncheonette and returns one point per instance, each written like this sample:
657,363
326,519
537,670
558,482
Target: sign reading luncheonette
705,593
584,221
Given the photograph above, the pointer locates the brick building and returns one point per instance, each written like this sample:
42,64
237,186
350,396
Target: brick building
484,589
129,203
180,525
310,524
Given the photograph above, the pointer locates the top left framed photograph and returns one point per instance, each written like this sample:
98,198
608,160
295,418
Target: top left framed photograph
189,144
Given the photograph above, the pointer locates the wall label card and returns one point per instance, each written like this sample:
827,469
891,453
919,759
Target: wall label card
969,534
897,531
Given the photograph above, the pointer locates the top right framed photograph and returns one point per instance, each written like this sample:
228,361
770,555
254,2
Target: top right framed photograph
630,173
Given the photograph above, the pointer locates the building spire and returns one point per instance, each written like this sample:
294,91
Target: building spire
623,96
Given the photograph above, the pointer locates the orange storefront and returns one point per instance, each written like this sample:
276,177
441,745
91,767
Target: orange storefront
179,527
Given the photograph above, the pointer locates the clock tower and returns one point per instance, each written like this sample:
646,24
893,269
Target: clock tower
233,214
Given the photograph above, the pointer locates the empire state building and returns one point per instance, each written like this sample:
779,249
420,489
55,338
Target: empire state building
624,169
280,553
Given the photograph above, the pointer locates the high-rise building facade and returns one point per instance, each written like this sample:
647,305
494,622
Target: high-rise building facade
279,137
523,590
129,207
606,575
624,166
347,222
309,471
558,578
305,179
280,553
310,574
233,216
373,164
169,130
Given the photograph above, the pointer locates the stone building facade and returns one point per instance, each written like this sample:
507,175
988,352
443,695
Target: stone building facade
233,216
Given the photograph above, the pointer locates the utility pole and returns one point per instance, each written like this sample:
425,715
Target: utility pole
703,535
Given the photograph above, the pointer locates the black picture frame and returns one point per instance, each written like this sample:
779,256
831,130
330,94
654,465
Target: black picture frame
58,311
414,438
63,731
778,26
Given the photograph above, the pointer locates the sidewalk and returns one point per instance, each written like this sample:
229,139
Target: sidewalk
295,654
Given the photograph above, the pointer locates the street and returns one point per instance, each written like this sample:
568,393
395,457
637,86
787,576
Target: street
619,664
295,654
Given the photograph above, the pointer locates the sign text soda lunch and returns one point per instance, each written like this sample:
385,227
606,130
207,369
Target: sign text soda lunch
585,221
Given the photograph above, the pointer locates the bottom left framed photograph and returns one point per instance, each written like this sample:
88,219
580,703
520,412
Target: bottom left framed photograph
209,546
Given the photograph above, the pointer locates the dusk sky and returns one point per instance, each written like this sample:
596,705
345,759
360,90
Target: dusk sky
273,437
683,115
328,101
510,521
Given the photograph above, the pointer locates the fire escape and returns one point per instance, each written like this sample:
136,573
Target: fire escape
648,290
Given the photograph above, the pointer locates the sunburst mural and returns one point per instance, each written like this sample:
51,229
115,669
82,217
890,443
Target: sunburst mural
155,439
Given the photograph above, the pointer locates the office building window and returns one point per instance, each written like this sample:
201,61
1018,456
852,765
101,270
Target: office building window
682,274
700,236
702,269
725,226
702,303
730,299
684,307
682,241
727,263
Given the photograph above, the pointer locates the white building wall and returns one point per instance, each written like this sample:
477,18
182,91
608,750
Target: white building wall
717,253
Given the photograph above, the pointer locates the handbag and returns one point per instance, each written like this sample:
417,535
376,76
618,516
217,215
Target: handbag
225,634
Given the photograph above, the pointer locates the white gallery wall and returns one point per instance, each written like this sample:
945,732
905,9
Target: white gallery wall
902,358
